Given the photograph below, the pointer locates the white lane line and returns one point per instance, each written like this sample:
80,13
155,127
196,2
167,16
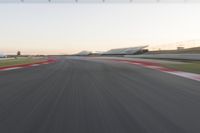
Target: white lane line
35,65
136,63
155,67
186,75
13,68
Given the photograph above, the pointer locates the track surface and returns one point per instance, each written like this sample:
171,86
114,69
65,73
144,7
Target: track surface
82,96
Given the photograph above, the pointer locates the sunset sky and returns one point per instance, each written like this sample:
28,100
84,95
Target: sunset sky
70,28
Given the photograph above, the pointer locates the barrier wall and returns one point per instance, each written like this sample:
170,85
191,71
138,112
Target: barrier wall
167,56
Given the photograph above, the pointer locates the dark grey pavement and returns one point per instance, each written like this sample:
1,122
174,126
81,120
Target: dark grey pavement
82,96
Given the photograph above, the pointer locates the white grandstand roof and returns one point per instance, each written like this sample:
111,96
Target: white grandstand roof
130,50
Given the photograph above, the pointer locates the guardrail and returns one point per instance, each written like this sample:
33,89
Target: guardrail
167,56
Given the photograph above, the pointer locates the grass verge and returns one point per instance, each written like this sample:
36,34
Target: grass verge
20,61
192,66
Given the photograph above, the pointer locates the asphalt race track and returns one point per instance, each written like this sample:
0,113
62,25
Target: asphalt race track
79,95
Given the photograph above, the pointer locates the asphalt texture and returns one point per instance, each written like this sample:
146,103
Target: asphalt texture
81,95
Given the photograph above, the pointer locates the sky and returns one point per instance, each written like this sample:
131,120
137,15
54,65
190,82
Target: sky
69,28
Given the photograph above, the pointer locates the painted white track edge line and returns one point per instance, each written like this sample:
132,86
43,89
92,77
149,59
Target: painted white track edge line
13,68
187,75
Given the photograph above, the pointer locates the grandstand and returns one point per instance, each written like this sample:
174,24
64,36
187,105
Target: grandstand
127,51
114,52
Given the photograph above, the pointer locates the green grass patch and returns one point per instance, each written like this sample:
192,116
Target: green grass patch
193,67
19,61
